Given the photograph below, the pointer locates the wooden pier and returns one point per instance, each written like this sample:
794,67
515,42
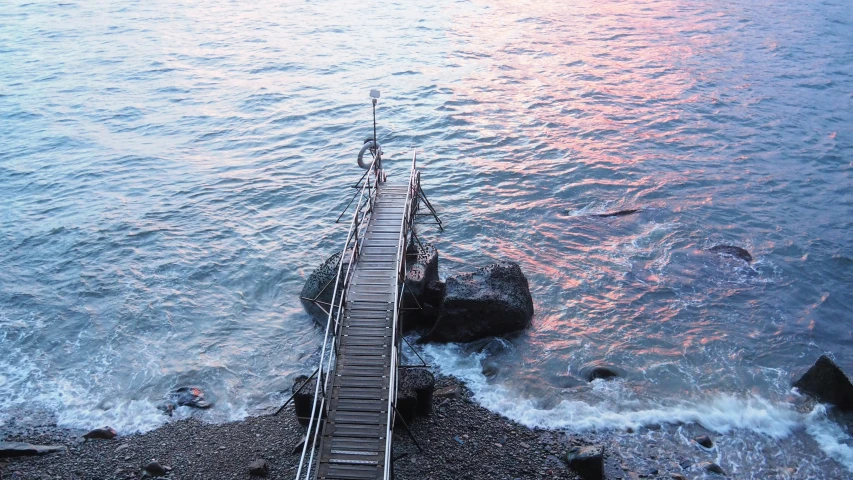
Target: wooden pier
352,419
354,441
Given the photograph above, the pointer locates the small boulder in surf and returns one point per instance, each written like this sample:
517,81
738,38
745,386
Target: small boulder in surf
827,383
732,251
193,397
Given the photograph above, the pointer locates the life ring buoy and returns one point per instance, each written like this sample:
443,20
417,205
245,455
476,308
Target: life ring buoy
369,143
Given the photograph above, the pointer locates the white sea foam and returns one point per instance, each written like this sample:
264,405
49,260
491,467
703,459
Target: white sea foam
24,386
612,405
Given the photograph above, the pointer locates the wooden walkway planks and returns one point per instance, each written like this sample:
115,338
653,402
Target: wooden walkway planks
353,442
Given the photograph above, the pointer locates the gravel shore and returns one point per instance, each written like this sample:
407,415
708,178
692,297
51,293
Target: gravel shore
460,440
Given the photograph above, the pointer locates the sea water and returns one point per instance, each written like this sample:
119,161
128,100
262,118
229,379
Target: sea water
170,173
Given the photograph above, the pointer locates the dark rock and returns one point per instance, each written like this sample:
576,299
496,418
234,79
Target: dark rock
424,289
189,397
827,383
619,213
414,393
300,445
490,368
564,381
259,468
407,404
678,476
604,372
732,251
704,440
490,348
492,301
319,287
422,381
167,408
303,401
105,433
453,391
588,462
153,469
21,449
712,467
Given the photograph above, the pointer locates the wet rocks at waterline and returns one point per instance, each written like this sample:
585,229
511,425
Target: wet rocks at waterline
491,301
599,371
317,292
827,383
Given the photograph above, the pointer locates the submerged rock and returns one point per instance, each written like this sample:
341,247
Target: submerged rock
492,301
21,449
732,251
618,213
704,441
167,408
564,381
603,372
712,467
105,433
490,348
827,383
588,462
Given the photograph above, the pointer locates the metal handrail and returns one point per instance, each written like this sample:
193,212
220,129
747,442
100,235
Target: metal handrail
402,241
353,244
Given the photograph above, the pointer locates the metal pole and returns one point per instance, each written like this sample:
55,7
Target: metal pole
374,123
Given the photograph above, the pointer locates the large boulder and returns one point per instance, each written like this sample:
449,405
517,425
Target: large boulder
317,292
826,382
492,301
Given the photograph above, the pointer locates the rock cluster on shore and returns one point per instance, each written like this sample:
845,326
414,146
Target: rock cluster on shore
491,301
